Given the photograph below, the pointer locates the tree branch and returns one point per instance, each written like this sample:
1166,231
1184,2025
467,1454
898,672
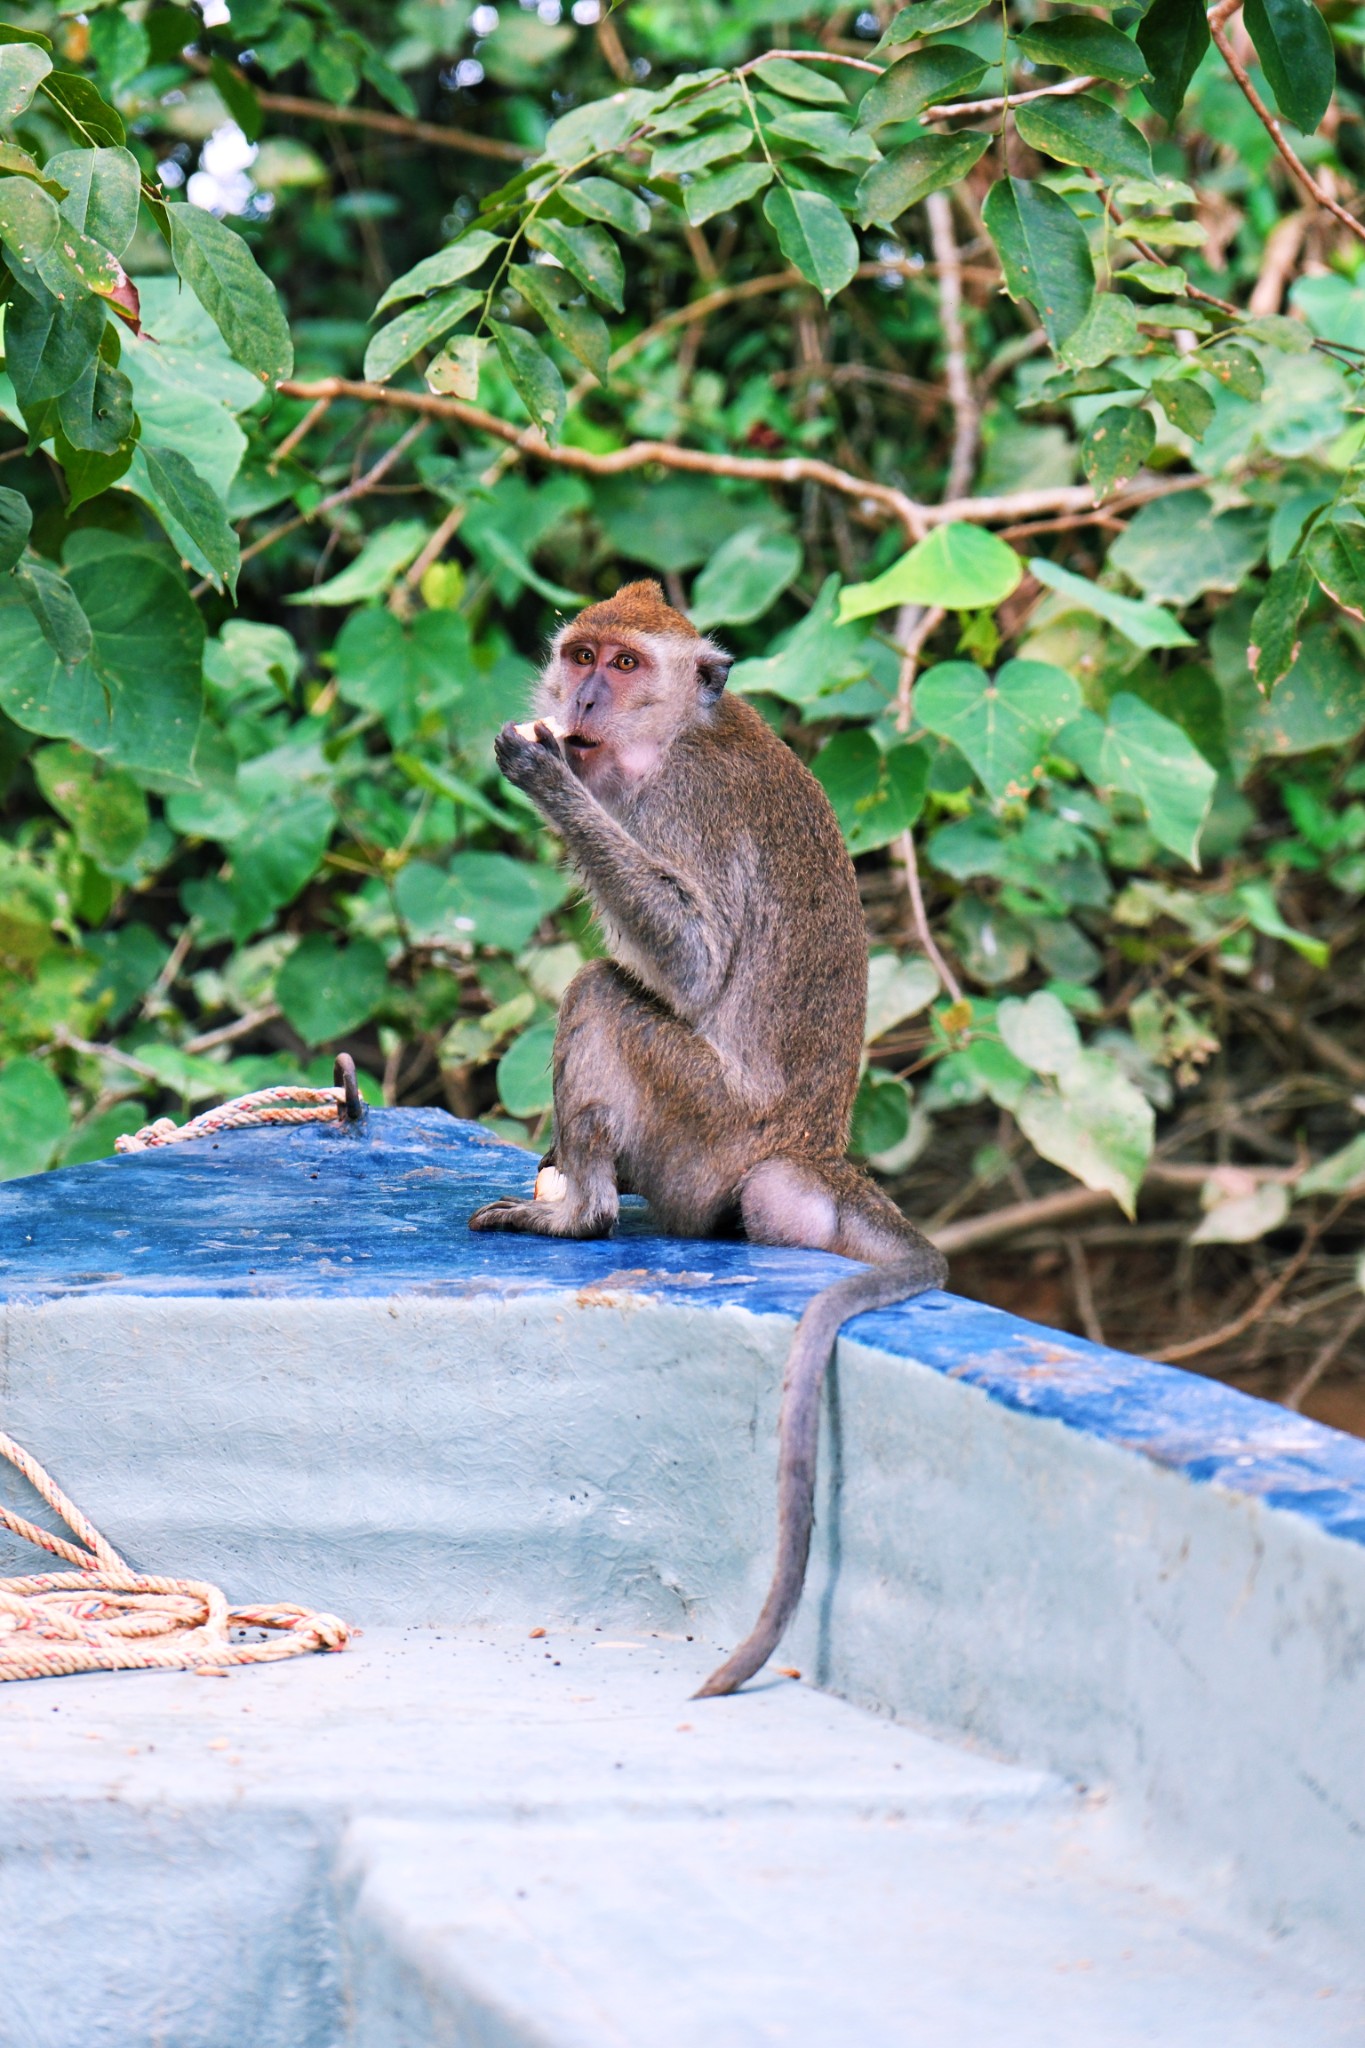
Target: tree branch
1059,91
966,417
911,515
1298,169
463,139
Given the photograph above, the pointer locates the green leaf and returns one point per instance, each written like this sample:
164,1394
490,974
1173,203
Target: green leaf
1109,329
415,329
229,284
913,171
1116,447
480,899
1003,726
103,188
1276,619
799,82
446,267
1235,367
1178,547
596,126
96,413
875,796
327,990
56,612
1257,901
1173,36
1187,405
1240,1218
1080,43
29,222
193,508
103,806
277,856
23,67
525,1082
1338,1171
927,17
16,523
84,112
815,659
940,71
136,695
724,191
12,158
1335,552
962,568
1294,45
745,577
455,372
1043,252
34,1118
693,153
898,987
380,562
615,205
831,138
589,252
1040,1032
1095,1124
238,96
814,236
1149,757
881,1114
1081,130
534,377
578,328
1145,625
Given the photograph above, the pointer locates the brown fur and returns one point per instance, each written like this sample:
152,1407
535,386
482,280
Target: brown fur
711,1065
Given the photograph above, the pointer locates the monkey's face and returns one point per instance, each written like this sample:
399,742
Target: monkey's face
613,700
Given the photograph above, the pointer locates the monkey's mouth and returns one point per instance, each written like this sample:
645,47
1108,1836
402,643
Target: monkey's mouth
580,742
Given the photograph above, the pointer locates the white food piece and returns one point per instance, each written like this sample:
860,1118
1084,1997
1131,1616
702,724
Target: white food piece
528,731
551,1185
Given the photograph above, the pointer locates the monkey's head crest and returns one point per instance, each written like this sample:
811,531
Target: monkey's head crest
636,608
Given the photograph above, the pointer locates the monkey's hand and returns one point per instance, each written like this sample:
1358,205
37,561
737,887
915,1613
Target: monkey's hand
532,758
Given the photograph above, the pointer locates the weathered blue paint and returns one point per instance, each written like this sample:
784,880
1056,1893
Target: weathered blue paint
381,1210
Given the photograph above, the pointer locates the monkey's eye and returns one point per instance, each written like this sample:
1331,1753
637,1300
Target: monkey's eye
626,661
583,656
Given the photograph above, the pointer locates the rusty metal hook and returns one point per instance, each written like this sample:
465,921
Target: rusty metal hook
343,1076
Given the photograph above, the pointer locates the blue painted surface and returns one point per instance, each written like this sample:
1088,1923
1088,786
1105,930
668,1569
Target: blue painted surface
382,1209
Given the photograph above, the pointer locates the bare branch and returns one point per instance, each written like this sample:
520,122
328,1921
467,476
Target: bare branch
240,1027
1016,99
966,417
1325,1357
430,132
1298,169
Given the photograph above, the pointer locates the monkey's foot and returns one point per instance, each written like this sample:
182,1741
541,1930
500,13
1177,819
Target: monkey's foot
509,1212
560,1218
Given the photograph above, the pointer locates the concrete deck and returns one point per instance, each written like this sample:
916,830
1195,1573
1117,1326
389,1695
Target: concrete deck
1118,1614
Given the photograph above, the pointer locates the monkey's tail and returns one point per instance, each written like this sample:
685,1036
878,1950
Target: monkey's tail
798,1435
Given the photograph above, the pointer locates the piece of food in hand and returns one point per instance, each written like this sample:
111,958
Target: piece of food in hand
528,731
551,1185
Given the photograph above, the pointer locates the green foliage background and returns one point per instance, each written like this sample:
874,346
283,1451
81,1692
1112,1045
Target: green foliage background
293,497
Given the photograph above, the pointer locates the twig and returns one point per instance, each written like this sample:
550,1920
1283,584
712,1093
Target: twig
1298,169
1325,1357
292,439
1282,247
1265,1300
156,994
1060,1207
69,1040
395,124
436,546
966,418
789,469
1082,1289
357,488
915,518
240,1027
1016,99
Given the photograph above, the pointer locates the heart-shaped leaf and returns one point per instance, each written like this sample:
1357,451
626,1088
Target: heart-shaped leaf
962,568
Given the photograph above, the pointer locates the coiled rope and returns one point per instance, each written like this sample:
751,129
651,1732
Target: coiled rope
105,1617
338,1104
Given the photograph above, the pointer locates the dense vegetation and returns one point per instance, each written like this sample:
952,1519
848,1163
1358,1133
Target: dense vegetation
988,380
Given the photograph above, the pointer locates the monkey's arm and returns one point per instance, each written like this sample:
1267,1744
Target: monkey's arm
652,904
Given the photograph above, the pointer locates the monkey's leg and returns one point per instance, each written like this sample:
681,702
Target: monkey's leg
825,1206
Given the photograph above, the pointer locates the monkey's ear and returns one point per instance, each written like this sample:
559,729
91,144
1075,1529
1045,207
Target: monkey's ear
713,666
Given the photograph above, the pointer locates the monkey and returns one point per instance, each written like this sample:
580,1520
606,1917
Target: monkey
711,1062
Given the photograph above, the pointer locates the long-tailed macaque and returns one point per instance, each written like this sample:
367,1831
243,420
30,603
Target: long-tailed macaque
710,1065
